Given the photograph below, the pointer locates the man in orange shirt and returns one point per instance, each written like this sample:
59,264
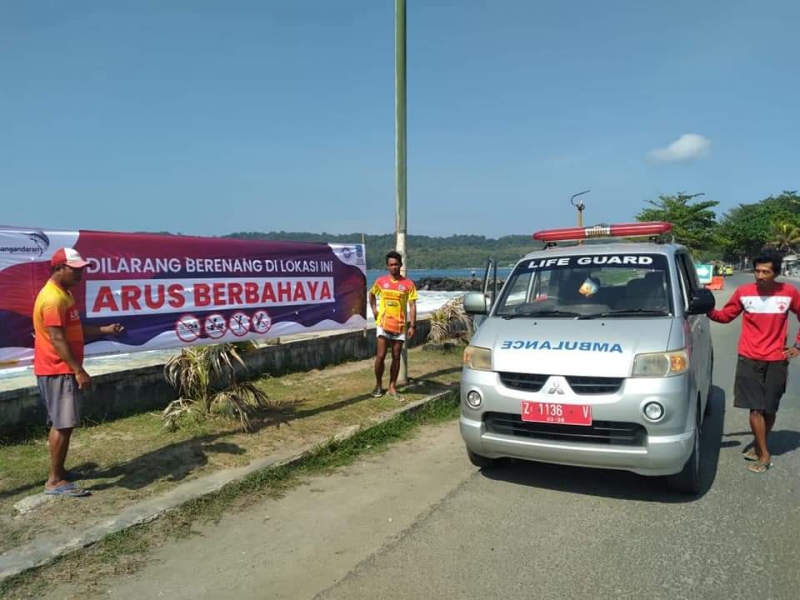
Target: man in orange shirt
398,295
58,361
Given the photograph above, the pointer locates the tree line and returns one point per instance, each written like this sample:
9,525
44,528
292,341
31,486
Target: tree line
735,236
739,234
426,252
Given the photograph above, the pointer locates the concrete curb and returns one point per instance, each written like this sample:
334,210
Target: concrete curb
45,549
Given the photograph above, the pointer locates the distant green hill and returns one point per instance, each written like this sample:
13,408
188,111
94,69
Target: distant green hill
425,252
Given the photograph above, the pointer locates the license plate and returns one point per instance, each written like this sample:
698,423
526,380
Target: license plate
560,414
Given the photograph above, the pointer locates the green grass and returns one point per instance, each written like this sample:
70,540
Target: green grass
313,405
331,456
125,551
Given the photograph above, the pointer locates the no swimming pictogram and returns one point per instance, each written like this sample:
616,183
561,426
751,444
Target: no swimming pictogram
215,326
187,328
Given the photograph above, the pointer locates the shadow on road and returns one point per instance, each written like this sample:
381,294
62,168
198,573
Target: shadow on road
780,442
621,484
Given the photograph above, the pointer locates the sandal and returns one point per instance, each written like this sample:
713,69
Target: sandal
750,455
67,489
759,467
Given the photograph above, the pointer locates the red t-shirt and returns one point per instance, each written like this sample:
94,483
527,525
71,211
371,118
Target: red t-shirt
766,319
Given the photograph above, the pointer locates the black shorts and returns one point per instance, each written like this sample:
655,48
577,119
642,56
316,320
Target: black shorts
760,384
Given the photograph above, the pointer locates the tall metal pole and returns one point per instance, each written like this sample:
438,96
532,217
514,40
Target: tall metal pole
400,150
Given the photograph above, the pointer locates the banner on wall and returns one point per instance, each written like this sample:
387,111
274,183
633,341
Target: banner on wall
174,291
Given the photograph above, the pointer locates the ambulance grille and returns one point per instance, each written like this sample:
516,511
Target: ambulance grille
595,385
530,382
525,382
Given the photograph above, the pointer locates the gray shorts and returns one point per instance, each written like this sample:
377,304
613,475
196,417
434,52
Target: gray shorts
61,398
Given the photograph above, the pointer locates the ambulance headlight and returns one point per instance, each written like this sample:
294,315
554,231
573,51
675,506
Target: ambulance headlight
661,364
478,358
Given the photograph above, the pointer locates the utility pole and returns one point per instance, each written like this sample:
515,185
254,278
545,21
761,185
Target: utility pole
400,151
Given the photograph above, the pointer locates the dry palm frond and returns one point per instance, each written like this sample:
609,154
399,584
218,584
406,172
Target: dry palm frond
187,372
450,322
176,411
243,401
197,375
440,330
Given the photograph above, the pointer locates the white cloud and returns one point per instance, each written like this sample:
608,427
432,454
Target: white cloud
690,146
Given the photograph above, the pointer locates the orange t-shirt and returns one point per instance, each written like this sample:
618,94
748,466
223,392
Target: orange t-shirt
55,307
394,296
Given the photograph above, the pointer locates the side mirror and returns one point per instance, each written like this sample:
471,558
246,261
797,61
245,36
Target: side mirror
702,302
476,303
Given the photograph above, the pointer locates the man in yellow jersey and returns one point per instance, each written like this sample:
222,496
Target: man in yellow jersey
58,361
398,297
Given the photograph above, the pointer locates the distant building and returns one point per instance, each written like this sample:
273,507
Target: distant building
791,264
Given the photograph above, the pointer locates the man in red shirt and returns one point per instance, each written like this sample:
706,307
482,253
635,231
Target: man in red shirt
764,354
58,361
398,297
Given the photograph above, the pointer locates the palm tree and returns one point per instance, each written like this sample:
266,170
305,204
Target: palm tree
205,380
785,236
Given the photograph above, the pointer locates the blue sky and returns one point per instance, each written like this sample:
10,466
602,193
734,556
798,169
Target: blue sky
208,117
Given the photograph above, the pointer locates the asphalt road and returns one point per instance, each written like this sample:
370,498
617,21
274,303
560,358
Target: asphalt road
419,522
538,531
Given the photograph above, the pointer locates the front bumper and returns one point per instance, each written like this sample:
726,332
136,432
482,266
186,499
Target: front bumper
664,448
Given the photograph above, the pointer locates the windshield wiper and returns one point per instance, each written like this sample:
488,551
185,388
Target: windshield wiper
627,312
542,313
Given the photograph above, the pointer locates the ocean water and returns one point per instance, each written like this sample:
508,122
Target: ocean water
430,300
417,274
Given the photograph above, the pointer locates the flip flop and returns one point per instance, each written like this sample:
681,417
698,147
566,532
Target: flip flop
750,455
68,489
759,467
396,396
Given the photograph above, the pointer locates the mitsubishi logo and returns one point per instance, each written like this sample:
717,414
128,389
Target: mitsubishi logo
556,389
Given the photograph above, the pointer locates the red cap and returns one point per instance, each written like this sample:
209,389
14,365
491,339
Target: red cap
69,257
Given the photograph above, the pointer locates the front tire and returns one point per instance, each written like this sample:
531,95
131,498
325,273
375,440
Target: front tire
688,480
479,461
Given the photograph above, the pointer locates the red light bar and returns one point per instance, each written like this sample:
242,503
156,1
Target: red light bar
620,230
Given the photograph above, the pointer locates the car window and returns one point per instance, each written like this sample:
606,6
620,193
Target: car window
691,271
518,291
687,275
586,285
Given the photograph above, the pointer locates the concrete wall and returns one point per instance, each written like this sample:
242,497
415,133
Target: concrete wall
126,392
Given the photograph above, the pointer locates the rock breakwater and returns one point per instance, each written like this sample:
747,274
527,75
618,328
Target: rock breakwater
452,284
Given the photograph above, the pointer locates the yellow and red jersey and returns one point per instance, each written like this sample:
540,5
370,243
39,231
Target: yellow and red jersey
55,307
393,298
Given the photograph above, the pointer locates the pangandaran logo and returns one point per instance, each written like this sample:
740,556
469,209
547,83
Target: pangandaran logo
34,243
